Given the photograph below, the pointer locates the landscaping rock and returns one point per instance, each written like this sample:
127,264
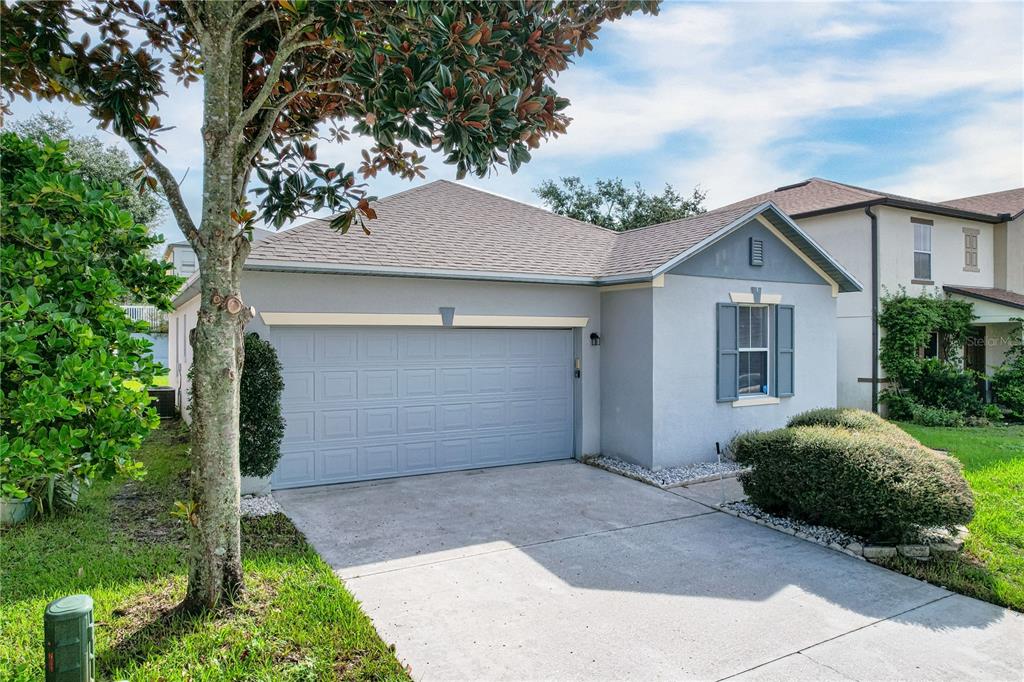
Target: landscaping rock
667,478
879,552
914,551
262,505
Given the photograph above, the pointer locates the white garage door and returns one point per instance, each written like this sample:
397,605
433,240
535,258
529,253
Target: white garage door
365,403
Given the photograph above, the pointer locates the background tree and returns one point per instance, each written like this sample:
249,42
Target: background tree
74,405
97,163
469,80
611,204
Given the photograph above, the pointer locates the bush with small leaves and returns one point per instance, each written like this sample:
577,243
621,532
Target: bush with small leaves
865,481
261,424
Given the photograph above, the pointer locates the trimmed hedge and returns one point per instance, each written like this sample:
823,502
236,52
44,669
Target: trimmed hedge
867,480
261,426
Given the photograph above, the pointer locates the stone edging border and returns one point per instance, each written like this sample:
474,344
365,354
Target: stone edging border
628,471
864,552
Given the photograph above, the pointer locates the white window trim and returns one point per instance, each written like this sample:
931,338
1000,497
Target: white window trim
767,354
931,235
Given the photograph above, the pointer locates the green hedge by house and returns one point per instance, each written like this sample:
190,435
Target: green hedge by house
261,425
852,471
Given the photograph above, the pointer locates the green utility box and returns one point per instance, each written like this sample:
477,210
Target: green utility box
67,627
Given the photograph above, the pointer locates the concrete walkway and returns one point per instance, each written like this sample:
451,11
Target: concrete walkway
565,572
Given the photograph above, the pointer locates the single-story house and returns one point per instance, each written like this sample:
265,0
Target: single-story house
470,330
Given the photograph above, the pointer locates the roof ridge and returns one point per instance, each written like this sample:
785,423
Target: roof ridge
984,194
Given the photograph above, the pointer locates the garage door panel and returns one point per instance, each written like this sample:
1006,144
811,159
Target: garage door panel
300,427
379,421
418,383
298,386
378,460
418,419
489,380
337,345
419,457
339,464
456,381
379,403
378,384
339,424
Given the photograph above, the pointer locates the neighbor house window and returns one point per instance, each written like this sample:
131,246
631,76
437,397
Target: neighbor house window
922,251
753,350
188,264
971,249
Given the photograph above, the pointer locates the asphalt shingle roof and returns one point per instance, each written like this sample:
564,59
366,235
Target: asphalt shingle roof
1010,201
447,226
817,195
1011,298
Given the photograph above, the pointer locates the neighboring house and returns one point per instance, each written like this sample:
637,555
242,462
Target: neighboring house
184,259
471,330
970,248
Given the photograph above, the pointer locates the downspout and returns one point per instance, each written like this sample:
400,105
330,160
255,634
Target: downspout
874,308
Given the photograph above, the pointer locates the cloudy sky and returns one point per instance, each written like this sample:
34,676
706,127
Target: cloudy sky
916,98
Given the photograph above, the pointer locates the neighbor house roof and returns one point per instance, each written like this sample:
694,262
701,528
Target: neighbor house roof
448,229
1009,202
1001,296
817,196
258,233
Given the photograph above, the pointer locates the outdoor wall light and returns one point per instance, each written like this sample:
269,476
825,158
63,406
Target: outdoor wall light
595,340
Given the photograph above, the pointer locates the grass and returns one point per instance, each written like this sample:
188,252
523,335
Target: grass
122,546
992,567
162,380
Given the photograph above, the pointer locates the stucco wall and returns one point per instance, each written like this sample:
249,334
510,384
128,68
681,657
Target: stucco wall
627,375
896,251
687,418
292,292
847,237
179,351
1009,255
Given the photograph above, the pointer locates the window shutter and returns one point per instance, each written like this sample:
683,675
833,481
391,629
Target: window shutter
784,382
728,351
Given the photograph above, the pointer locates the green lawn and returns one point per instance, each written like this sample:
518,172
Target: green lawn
992,567
162,380
123,548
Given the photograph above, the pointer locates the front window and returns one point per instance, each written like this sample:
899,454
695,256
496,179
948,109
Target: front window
753,350
922,251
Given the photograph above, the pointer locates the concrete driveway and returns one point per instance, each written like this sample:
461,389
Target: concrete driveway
562,571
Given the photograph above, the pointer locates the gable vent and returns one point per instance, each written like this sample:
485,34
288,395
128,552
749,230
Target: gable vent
756,251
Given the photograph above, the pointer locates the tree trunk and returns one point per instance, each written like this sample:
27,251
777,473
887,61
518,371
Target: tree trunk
215,568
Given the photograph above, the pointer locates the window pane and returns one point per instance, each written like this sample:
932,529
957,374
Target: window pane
922,266
922,237
758,328
743,337
753,372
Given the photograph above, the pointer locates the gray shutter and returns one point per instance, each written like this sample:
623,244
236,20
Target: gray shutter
784,385
728,351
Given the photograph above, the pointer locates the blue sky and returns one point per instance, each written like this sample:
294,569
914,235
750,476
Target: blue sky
923,99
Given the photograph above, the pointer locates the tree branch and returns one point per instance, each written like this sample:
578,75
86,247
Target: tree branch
286,48
172,192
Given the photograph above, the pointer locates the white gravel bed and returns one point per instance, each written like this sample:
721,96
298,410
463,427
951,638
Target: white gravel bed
264,505
667,478
823,535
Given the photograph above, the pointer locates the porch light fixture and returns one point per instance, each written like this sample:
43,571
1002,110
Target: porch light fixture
595,340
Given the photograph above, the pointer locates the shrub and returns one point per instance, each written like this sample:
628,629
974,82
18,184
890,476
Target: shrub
866,482
899,406
261,425
936,416
74,405
993,413
944,385
1008,379
846,417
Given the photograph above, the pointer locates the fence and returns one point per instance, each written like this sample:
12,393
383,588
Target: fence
157,319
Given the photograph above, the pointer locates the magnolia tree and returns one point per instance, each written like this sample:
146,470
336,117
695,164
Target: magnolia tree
469,80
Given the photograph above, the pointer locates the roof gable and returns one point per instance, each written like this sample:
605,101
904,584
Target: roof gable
451,230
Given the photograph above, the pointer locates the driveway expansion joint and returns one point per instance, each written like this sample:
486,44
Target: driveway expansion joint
803,651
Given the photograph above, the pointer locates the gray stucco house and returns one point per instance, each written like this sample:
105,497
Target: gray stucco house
470,330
